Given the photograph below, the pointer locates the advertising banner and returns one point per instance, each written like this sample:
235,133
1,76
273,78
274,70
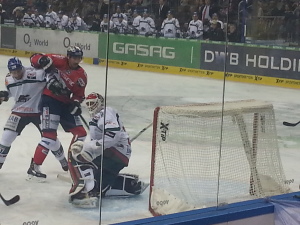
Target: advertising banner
159,51
8,37
55,41
253,60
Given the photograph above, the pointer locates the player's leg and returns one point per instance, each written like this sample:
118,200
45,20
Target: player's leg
13,127
57,150
115,183
51,111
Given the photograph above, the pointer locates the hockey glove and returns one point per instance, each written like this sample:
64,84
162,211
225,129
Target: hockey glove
46,63
3,96
55,86
75,108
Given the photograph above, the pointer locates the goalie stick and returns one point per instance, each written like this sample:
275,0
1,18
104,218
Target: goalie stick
142,131
290,124
11,201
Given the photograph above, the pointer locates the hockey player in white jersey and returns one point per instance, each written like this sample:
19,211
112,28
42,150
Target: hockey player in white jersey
146,24
25,85
195,29
76,23
50,17
170,27
115,17
106,24
38,19
62,20
109,139
120,26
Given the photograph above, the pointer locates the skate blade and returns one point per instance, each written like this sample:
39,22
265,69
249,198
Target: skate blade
32,178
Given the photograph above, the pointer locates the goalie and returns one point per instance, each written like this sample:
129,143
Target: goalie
109,140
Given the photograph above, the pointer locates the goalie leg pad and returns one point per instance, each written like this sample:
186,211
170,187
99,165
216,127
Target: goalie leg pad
127,185
82,177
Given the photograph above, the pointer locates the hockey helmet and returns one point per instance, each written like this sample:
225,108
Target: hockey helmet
14,64
94,103
74,51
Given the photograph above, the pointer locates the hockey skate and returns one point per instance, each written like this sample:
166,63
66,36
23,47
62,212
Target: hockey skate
34,173
64,164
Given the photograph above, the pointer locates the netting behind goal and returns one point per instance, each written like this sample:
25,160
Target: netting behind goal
204,155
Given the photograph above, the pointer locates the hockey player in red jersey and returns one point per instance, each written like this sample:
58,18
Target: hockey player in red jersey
60,103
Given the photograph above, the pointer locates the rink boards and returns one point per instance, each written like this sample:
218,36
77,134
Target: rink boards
259,211
260,64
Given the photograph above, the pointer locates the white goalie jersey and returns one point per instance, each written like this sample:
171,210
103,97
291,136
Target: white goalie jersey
26,91
116,140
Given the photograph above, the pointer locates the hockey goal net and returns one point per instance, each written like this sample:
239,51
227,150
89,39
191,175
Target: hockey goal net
207,154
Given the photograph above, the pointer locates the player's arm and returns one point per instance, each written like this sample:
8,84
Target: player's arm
48,62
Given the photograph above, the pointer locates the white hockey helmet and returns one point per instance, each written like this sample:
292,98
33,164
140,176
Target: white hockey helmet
94,103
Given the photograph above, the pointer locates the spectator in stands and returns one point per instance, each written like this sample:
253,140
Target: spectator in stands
18,14
206,12
216,18
102,8
161,13
96,22
233,34
3,14
183,12
215,33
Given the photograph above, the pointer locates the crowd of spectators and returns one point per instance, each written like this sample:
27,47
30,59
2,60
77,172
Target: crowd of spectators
217,20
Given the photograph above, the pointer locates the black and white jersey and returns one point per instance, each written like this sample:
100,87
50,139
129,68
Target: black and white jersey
27,91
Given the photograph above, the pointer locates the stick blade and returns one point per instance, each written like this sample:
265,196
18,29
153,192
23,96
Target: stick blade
11,201
290,124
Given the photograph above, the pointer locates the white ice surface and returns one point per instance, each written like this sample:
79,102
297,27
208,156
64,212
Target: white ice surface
135,95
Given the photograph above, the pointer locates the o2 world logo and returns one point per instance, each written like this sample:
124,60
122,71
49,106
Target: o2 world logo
164,128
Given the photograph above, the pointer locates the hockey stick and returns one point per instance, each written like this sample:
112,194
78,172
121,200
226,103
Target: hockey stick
84,121
142,131
10,201
290,124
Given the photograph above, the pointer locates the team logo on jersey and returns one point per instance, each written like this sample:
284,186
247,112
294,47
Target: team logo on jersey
23,98
31,75
81,82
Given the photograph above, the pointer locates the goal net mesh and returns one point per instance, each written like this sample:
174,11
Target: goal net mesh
207,154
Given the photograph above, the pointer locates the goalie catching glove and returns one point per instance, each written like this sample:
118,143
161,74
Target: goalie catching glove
85,152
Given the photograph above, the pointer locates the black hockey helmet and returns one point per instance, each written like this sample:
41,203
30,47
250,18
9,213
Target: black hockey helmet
74,51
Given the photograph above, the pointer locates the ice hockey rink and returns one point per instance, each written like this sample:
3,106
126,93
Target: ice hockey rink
135,95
